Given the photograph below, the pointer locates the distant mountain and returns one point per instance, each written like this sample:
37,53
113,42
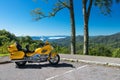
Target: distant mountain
106,39
112,40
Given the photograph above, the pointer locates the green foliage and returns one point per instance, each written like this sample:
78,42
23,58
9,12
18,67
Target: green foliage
116,53
3,48
1,55
99,45
38,14
35,44
62,49
25,39
79,48
4,39
7,34
101,51
7,38
104,5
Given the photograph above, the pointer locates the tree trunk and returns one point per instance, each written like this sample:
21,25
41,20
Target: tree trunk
86,13
86,38
73,37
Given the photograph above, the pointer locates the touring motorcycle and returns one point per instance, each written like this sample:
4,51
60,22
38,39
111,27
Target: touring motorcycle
21,56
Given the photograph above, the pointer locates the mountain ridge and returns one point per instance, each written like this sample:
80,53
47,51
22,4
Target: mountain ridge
104,39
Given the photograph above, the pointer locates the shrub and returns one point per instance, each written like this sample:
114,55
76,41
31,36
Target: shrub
101,51
116,53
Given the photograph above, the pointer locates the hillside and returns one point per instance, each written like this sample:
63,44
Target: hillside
99,45
107,39
113,40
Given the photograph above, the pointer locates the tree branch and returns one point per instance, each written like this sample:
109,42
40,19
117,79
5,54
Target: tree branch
56,10
63,3
37,13
89,7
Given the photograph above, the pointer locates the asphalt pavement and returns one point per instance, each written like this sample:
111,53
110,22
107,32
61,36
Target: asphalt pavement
81,58
108,61
71,67
65,70
4,59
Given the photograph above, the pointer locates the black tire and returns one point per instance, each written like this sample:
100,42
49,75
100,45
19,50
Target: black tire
55,60
20,63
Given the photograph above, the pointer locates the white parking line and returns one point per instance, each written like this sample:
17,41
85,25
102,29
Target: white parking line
51,77
66,72
82,67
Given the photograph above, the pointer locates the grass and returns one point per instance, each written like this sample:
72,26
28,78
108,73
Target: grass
1,55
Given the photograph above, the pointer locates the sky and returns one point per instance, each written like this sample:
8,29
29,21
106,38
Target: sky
15,17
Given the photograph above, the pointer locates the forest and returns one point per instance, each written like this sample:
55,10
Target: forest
7,38
99,45
108,46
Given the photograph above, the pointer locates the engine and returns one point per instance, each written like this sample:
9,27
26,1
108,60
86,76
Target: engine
39,58
36,57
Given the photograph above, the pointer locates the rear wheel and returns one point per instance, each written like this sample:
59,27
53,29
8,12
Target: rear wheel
20,63
55,60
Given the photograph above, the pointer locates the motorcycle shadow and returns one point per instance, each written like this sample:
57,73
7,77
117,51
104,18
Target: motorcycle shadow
39,66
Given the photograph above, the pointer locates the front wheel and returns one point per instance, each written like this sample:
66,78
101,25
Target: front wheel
20,63
55,60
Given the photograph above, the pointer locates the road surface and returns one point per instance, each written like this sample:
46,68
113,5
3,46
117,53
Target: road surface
63,71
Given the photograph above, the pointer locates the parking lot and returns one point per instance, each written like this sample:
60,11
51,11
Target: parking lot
63,71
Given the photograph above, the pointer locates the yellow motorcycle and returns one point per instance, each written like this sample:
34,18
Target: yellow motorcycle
21,56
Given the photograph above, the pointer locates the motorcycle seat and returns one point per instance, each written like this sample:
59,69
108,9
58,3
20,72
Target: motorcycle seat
26,50
19,47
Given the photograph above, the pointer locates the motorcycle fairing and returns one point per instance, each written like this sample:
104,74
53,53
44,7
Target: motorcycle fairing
14,53
44,50
17,55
